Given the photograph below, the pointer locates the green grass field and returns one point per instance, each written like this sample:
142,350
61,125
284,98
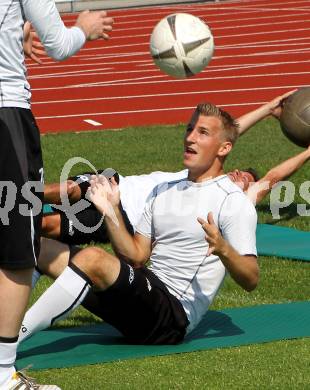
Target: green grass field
278,365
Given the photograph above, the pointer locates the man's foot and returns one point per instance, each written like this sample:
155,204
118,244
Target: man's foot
20,381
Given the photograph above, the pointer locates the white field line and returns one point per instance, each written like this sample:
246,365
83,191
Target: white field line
144,53
140,111
290,14
156,80
91,72
73,73
52,65
89,49
205,12
100,84
148,23
209,7
219,47
239,26
258,44
254,76
150,61
171,94
223,68
266,53
141,63
92,122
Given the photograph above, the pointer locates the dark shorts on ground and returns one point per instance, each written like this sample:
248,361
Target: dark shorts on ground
20,163
140,307
71,235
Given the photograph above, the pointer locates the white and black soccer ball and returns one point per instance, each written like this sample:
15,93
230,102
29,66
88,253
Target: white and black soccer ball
181,45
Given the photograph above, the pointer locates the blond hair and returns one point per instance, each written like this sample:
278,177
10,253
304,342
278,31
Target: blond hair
229,125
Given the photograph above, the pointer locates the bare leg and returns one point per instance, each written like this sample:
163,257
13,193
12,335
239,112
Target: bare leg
101,267
15,287
51,226
54,257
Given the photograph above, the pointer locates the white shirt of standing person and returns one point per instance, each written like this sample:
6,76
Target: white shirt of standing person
59,41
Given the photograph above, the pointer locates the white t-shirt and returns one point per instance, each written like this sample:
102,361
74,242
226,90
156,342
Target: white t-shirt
59,42
179,257
134,191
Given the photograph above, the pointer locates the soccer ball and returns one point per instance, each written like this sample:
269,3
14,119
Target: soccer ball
181,45
295,117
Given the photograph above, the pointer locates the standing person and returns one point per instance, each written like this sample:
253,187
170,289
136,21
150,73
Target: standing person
193,230
21,168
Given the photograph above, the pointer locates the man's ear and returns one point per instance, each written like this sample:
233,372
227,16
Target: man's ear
225,148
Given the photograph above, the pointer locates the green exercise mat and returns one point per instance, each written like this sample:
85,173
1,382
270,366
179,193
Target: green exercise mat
283,242
219,329
47,209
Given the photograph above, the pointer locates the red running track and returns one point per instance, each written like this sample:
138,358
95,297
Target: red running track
262,50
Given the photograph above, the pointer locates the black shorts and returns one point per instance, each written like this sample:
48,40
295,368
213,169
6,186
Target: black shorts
140,307
71,235
20,163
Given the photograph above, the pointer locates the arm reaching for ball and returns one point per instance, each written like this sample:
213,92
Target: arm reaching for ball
273,108
258,190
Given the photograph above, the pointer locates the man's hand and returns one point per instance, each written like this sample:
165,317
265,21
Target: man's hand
32,46
242,268
276,104
104,195
94,24
213,236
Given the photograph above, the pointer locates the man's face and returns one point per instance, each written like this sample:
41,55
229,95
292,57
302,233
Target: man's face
243,179
202,142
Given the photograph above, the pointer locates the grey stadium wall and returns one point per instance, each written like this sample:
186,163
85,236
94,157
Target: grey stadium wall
80,5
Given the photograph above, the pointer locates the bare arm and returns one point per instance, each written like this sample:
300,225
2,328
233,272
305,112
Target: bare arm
54,192
61,42
136,249
271,108
242,268
105,196
260,189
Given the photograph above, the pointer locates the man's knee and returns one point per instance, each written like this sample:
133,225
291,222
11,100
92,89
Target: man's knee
54,257
101,267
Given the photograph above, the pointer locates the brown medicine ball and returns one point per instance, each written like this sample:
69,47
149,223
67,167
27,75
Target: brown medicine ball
295,117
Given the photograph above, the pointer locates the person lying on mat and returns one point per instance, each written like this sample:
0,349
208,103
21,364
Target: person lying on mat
134,190
135,193
192,230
